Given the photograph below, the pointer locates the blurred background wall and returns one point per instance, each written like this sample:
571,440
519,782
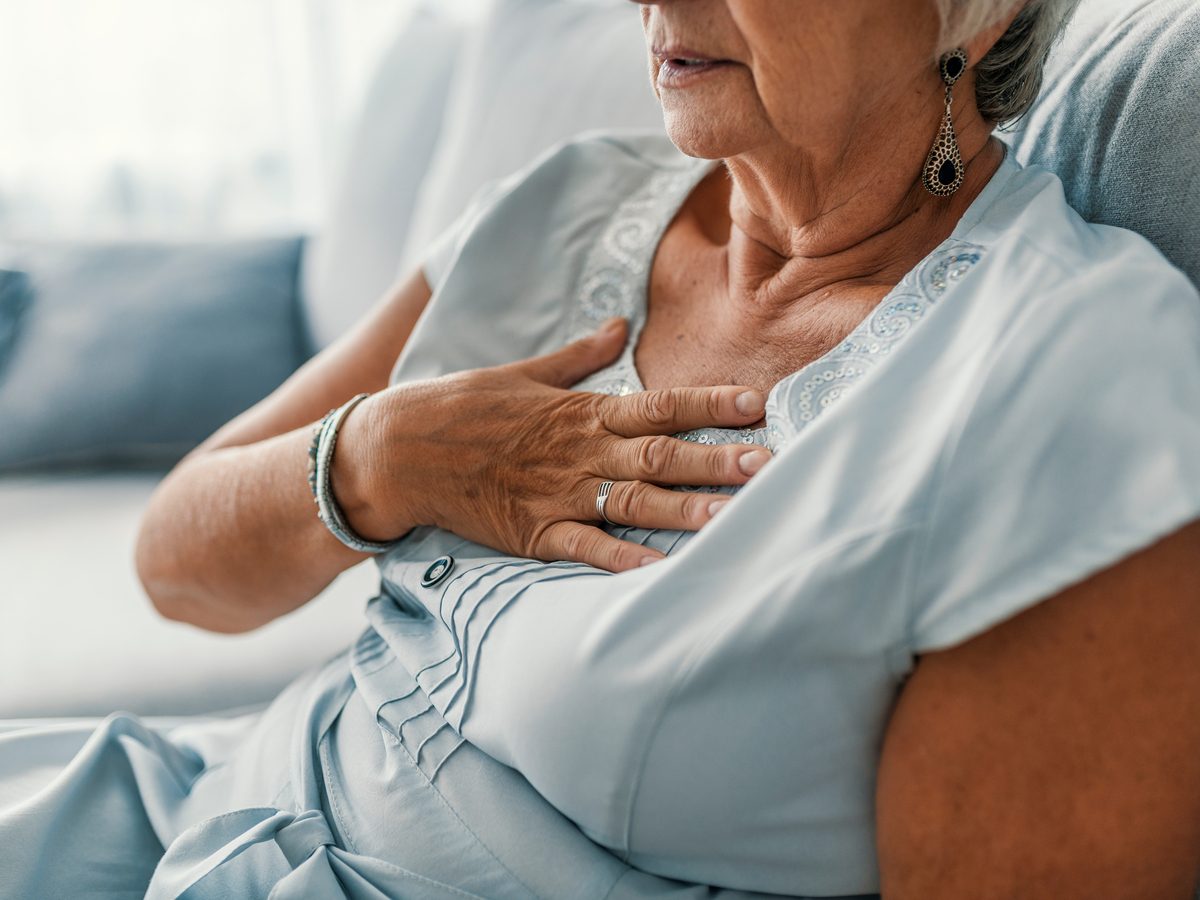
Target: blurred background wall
209,118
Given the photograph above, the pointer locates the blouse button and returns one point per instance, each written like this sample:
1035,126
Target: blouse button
437,571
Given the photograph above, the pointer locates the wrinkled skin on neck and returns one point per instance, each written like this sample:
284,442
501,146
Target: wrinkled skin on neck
824,114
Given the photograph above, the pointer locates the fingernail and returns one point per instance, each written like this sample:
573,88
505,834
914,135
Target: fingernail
649,560
751,462
715,507
749,403
613,324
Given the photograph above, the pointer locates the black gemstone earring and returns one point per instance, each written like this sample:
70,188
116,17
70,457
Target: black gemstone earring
944,171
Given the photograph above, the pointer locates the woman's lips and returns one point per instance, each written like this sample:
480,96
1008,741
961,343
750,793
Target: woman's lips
679,72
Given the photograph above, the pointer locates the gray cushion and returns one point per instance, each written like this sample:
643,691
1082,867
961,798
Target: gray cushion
1119,120
133,353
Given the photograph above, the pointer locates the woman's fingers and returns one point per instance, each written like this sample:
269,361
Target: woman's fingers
579,359
647,506
681,409
588,544
667,460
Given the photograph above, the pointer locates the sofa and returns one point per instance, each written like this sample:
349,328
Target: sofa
452,107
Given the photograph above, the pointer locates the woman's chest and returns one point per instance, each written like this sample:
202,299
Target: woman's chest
699,330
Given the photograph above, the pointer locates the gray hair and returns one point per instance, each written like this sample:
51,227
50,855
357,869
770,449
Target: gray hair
1009,77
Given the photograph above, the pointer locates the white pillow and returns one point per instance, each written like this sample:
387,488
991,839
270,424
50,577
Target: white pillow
353,261
535,73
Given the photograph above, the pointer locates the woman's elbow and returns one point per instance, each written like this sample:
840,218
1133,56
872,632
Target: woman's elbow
176,592
178,599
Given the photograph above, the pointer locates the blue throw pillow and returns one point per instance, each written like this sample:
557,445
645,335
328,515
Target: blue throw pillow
131,354
14,297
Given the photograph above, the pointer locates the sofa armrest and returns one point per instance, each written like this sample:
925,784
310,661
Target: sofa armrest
80,638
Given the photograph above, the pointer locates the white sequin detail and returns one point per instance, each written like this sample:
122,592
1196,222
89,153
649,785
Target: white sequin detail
797,401
615,272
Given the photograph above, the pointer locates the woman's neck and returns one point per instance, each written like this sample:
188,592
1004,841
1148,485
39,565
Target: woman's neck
801,228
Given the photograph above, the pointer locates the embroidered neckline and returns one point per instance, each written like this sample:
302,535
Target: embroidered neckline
615,282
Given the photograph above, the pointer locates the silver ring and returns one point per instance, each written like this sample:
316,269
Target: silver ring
602,498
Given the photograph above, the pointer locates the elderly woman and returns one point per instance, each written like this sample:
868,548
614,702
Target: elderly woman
940,645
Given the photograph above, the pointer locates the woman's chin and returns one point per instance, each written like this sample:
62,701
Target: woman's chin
696,136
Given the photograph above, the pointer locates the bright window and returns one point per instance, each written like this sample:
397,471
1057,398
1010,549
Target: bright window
180,117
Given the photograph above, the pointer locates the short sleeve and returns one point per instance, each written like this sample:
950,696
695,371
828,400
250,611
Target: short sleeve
1080,447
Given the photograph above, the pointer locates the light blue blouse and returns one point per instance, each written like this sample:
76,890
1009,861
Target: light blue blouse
1018,413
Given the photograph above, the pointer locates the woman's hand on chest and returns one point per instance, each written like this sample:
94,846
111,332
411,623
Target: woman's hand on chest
510,458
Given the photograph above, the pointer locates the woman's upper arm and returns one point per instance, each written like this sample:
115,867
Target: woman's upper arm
1058,754
359,361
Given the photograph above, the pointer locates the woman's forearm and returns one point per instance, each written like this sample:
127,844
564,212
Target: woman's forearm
231,540
505,456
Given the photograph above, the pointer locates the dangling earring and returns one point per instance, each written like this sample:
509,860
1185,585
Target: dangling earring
944,171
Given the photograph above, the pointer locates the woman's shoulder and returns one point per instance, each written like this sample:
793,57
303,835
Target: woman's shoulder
593,169
1075,441
570,188
507,277
1050,252
590,174
1046,277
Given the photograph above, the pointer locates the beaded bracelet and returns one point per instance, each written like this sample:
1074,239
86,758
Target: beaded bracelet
320,469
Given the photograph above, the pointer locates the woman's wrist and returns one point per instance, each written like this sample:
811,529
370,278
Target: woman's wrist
360,492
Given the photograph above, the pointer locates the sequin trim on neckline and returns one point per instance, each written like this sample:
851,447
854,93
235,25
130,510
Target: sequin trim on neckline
614,282
798,400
